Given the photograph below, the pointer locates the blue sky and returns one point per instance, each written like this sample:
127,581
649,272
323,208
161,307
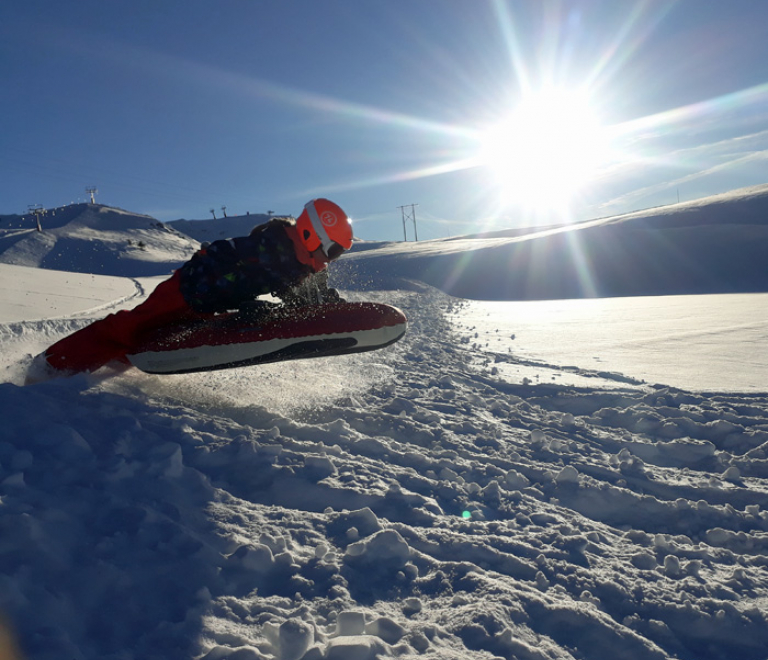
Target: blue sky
177,107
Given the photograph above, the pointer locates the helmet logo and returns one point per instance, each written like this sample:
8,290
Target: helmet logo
328,219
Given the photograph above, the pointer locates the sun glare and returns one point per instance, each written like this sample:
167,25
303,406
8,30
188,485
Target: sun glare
545,151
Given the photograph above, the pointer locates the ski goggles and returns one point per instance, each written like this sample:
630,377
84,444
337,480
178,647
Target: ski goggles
334,251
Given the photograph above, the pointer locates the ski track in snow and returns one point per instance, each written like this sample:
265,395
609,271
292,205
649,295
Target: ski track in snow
418,504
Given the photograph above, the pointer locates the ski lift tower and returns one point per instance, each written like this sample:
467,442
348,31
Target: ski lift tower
92,191
38,211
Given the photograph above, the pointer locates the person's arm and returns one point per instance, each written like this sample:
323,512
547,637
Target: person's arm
312,291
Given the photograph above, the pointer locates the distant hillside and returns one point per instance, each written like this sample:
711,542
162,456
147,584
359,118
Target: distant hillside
745,206
714,245
91,238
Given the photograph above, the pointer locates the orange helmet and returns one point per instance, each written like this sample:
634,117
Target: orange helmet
323,224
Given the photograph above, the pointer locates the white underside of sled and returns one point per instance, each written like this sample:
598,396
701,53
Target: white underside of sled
206,358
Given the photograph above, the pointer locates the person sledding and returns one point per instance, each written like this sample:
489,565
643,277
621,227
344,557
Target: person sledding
280,257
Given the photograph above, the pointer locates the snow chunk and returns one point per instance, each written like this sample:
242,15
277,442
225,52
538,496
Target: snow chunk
568,475
568,419
294,639
672,567
412,606
732,474
447,474
542,583
387,629
363,521
719,537
514,480
538,438
386,549
319,467
257,558
645,561
491,494
446,382
350,623
362,647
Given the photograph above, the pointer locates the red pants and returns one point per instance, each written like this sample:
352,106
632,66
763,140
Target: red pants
112,338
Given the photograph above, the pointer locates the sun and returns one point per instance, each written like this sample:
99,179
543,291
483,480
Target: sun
545,152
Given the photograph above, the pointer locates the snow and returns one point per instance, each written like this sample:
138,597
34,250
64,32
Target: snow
706,342
533,480
27,294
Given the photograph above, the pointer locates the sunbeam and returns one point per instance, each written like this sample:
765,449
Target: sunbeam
395,177
507,26
581,264
663,123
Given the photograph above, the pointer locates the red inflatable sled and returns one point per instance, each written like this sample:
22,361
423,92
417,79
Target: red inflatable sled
270,333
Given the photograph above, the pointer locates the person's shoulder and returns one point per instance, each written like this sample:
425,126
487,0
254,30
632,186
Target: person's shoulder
284,220
273,224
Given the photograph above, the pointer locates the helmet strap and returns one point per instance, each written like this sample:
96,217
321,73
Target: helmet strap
325,241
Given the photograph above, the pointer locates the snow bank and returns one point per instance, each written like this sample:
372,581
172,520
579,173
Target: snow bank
439,511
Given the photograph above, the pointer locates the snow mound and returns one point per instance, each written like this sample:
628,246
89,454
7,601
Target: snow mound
90,238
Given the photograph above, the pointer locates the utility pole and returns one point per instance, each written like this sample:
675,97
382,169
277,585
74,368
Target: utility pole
38,211
409,215
213,213
92,192
224,211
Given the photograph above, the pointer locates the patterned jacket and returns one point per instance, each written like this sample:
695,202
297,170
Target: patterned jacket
228,273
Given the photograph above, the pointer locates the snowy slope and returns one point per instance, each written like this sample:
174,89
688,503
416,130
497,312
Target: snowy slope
420,501
91,238
32,294
714,245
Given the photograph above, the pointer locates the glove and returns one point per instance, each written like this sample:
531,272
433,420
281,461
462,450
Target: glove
293,298
254,311
332,295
